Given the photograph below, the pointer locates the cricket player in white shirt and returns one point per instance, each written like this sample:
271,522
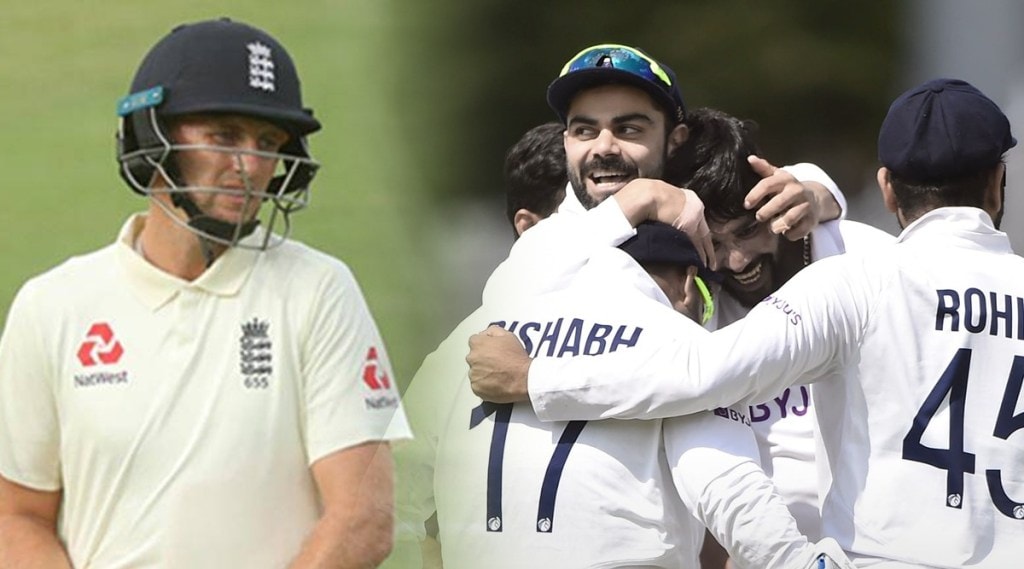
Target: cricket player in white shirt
913,350
511,491
203,392
755,262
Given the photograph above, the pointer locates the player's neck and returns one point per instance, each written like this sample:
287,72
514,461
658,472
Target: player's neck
172,248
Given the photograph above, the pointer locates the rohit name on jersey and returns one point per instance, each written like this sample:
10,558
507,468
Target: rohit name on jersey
571,337
979,312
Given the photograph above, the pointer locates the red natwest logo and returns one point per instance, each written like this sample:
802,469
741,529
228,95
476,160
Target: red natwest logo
373,376
100,346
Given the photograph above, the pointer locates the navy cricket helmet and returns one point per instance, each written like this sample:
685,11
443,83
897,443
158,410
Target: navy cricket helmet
215,67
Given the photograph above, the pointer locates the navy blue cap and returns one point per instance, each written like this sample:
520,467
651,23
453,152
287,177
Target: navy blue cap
614,63
657,242
942,129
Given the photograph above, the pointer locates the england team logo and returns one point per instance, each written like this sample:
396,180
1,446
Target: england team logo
261,67
255,358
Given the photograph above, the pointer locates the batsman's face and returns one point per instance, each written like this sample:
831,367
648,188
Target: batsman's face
747,253
614,134
223,180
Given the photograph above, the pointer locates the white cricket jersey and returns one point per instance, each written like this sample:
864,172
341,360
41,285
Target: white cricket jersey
784,423
916,354
179,418
511,491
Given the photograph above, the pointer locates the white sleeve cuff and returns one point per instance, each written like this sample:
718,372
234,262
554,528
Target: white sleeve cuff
807,172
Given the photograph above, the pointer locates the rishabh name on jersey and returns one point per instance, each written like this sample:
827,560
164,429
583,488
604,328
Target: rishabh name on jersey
512,491
190,413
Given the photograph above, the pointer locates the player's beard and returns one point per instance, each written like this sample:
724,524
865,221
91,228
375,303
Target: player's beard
750,297
614,162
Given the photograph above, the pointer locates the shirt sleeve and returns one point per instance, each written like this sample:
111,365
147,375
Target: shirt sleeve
29,423
414,465
429,393
797,335
807,172
428,403
714,461
545,258
350,390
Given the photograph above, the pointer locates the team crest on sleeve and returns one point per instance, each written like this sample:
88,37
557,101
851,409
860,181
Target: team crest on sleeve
98,352
377,381
255,357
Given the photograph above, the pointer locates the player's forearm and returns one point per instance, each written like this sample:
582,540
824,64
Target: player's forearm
751,360
828,207
642,200
28,543
676,377
348,541
356,530
743,512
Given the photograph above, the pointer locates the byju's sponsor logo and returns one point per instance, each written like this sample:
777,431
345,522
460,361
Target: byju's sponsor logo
255,358
100,346
732,415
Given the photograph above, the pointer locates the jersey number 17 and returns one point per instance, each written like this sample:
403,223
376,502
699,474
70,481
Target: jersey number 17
552,476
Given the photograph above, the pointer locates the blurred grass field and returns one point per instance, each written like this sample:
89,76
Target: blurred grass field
63,67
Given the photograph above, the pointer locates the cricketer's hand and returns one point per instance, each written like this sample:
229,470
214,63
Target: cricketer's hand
498,366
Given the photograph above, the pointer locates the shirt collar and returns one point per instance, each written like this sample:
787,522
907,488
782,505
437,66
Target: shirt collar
966,227
154,287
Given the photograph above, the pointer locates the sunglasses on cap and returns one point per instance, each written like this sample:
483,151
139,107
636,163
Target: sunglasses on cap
619,57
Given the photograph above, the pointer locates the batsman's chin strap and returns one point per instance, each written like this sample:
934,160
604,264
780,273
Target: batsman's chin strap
207,225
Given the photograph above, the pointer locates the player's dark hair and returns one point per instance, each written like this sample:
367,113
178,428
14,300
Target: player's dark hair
535,171
917,198
713,162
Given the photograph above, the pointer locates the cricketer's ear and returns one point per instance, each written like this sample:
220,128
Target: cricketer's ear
677,137
525,219
888,196
995,191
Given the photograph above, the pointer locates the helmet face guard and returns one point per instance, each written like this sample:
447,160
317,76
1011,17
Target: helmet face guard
217,67
155,158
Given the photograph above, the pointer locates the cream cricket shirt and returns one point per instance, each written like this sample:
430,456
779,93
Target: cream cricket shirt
181,419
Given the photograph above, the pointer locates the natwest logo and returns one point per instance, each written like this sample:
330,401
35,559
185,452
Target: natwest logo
374,377
100,346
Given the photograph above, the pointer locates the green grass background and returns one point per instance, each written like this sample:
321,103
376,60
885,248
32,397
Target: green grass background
64,64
